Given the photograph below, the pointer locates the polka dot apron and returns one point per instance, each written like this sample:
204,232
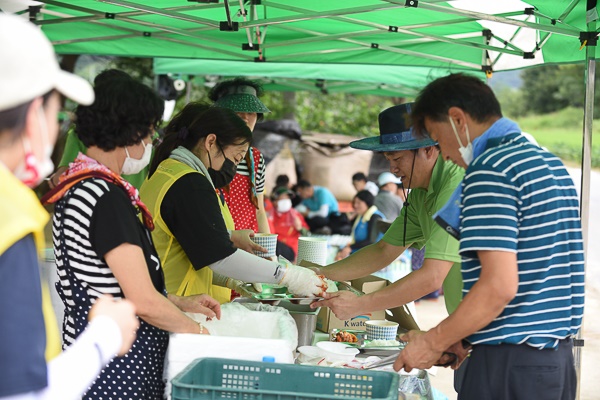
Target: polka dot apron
136,375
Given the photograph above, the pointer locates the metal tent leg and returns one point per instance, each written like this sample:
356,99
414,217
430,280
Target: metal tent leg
586,166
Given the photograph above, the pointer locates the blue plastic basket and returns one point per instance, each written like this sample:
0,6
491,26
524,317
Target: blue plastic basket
217,378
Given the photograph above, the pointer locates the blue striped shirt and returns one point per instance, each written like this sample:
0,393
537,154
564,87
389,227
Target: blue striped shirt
520,198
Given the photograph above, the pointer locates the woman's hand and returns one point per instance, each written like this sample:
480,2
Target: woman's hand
303,281
241,240
123,313
200,303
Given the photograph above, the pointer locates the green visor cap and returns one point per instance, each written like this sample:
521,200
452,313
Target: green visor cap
395,132
242,99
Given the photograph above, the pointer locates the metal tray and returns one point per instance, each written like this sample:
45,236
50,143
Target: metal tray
275,297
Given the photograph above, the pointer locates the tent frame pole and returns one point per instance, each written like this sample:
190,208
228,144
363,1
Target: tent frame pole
586,167
567,31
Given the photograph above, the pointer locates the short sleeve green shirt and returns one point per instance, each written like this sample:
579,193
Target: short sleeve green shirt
74,146
422,230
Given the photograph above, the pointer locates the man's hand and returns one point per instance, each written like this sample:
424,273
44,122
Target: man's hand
241,240
462,350
123,313
200,303
344,304
418,353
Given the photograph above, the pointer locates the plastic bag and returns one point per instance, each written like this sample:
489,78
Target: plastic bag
416,384
252,320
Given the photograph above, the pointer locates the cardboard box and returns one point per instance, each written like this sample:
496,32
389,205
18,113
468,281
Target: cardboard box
326,320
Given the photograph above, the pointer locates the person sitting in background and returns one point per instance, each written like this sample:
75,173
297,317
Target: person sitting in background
321,210
30,360
286,222
387,201
364,230
360,182
283,181
74,146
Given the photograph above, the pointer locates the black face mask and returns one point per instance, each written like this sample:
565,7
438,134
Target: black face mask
224,176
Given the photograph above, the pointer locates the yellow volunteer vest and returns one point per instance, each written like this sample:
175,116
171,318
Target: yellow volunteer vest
180,276
21,214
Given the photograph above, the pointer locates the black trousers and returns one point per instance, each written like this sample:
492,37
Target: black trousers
315,223
520,372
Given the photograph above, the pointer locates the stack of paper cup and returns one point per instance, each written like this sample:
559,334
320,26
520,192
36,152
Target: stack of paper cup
266,240
313,250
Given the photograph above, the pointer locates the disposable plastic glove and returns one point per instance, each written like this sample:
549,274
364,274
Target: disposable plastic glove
303,282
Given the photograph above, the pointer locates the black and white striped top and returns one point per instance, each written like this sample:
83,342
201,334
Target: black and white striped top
260,169
92,219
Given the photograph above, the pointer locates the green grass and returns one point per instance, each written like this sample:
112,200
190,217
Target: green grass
562,133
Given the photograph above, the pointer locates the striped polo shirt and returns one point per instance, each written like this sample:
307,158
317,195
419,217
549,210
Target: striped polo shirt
520,198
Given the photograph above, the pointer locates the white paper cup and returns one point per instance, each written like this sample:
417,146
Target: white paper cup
266,240
312,249
381,330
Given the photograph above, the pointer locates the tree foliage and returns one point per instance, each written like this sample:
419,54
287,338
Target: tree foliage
332,113
547,89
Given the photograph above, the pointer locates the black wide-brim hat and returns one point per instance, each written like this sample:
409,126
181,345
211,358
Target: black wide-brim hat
395,132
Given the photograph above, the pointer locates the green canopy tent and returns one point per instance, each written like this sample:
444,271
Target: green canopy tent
381,80
467,34
462,35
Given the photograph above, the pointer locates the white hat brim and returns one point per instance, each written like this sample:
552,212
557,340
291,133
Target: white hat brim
75,88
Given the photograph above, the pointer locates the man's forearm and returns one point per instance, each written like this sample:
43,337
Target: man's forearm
412,287
495,288
364,262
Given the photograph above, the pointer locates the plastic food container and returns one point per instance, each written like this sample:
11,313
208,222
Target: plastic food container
309,354
216,378
381,330
334,352
266,240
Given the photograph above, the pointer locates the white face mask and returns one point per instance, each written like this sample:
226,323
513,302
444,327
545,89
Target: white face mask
132,166
32,172
284,205
466,152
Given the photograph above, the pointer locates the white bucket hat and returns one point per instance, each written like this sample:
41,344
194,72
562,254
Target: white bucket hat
28,66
